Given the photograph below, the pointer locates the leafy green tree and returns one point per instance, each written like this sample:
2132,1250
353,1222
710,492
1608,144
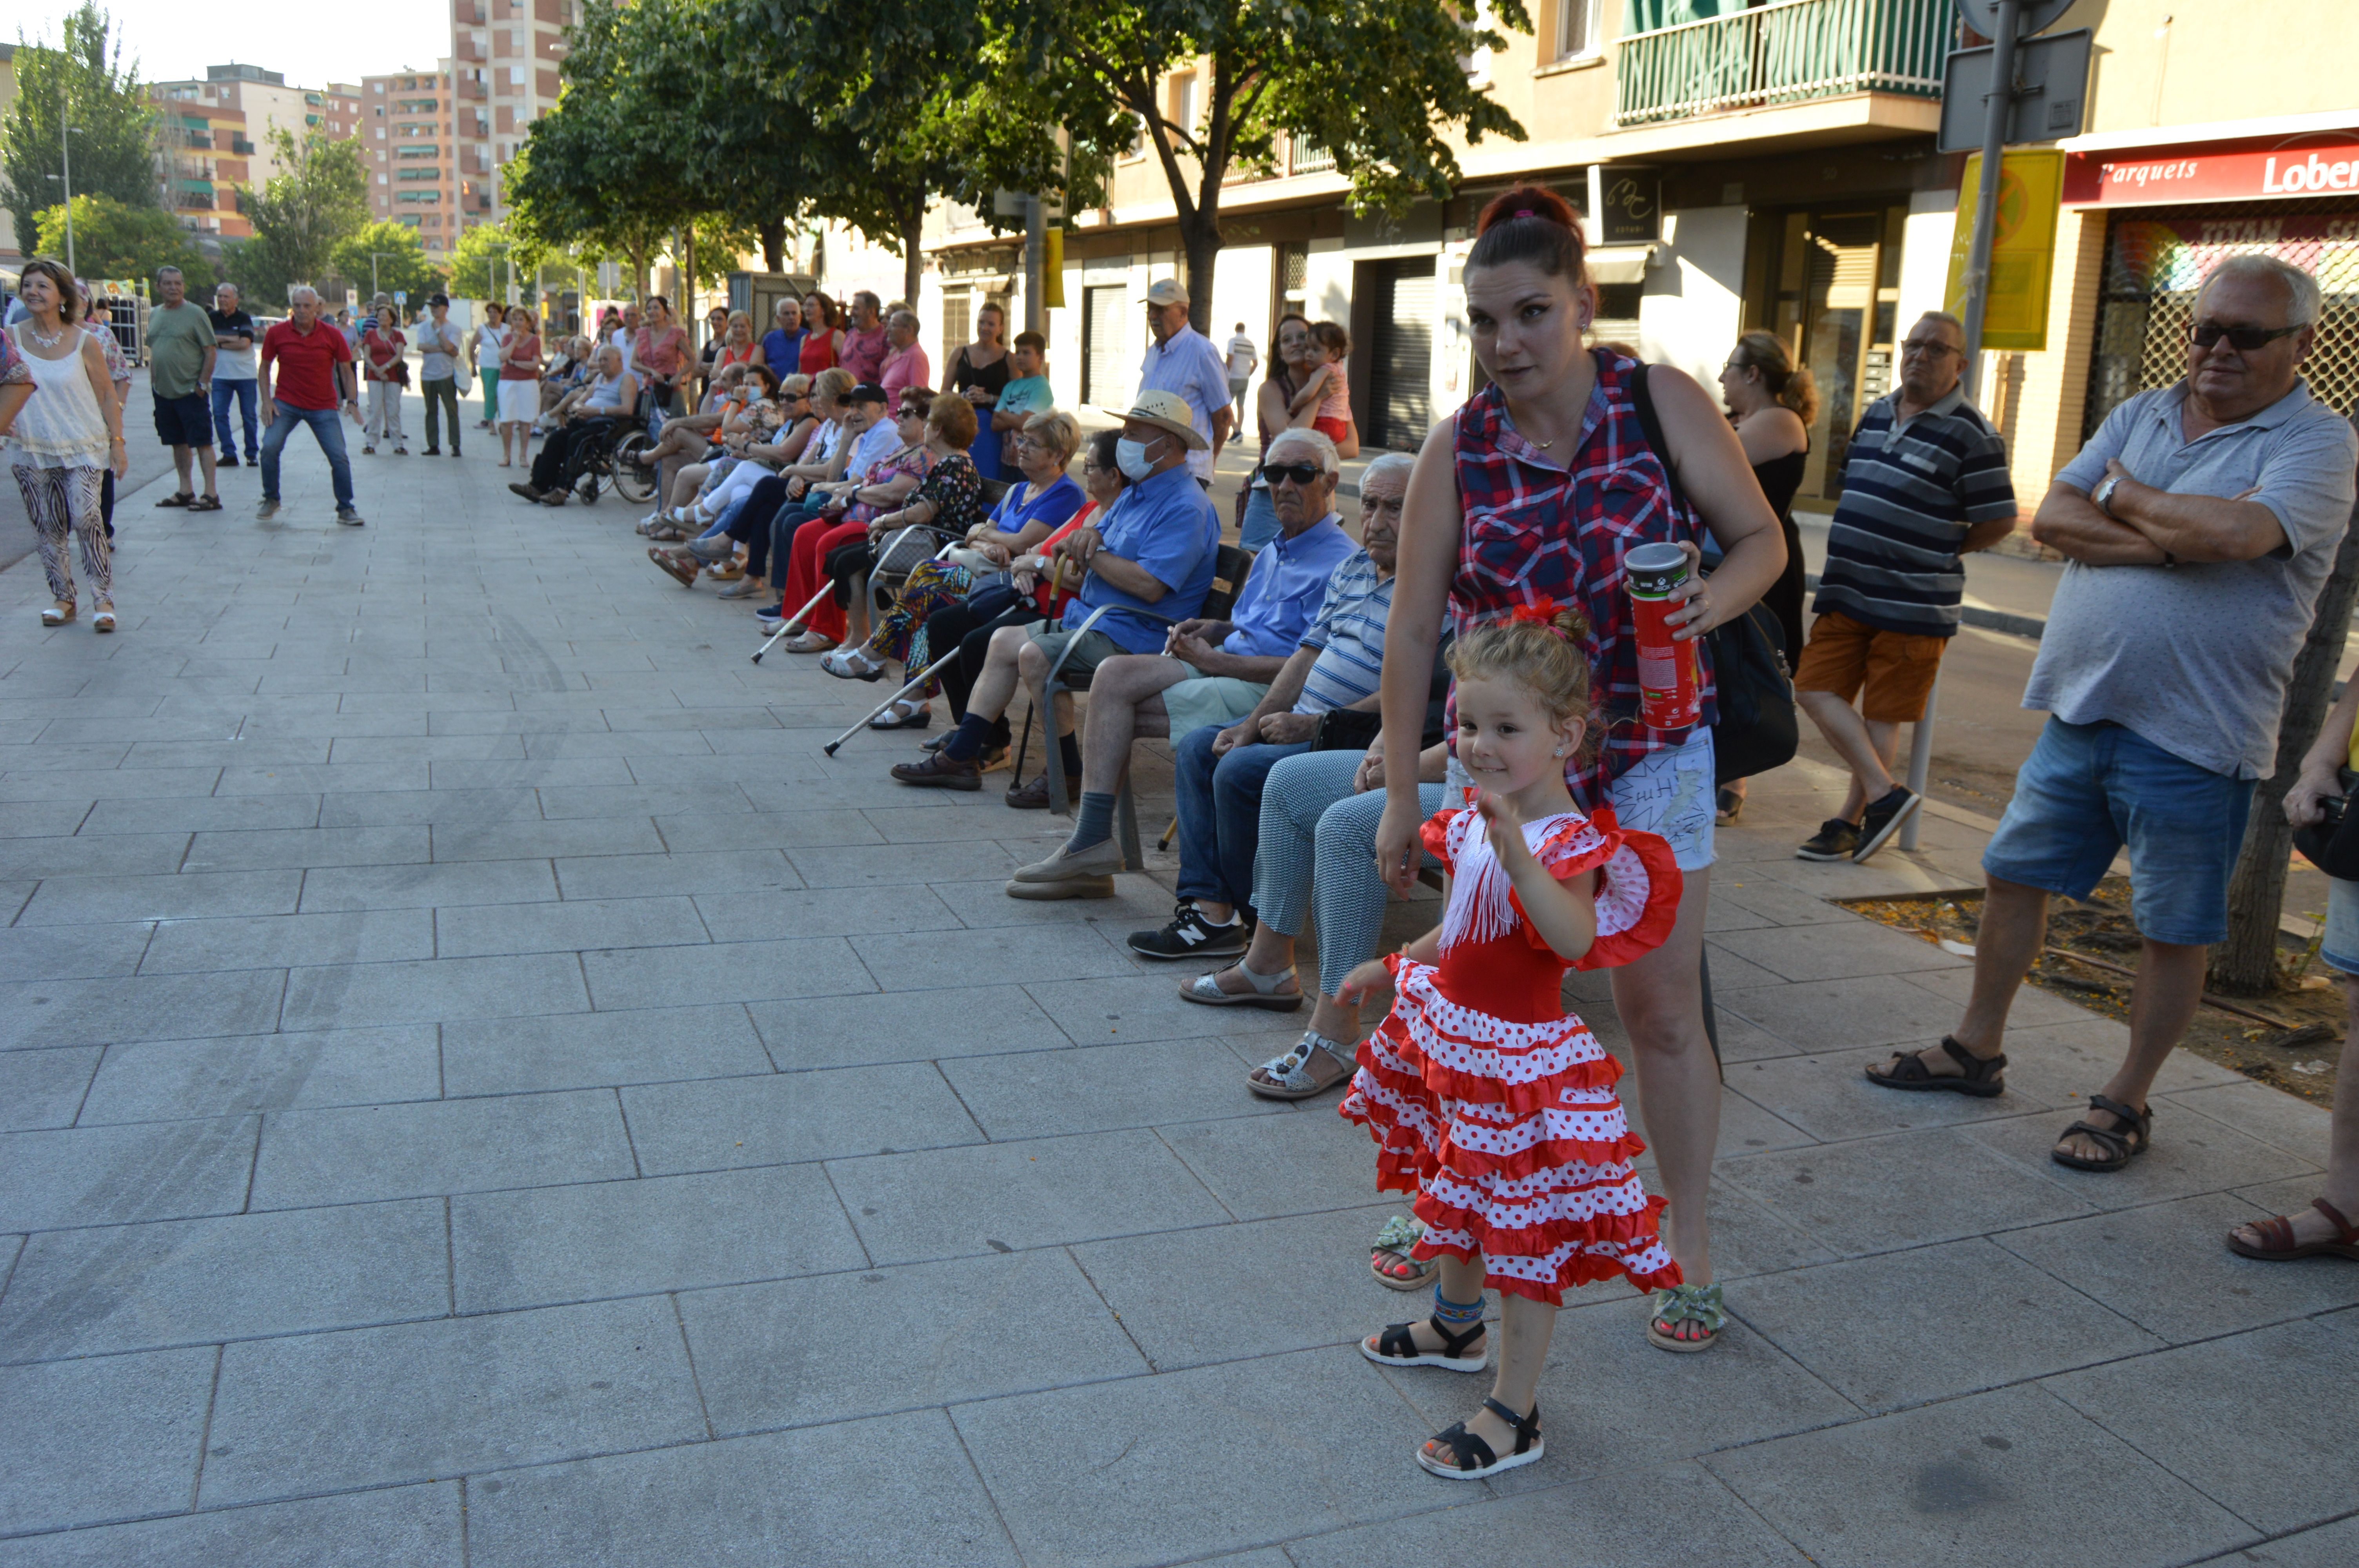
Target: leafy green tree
1377,83
316,201
398,259
930,106
112,240
114,126
599,169
480,267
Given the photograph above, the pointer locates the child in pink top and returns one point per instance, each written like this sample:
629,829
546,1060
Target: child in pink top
1327,387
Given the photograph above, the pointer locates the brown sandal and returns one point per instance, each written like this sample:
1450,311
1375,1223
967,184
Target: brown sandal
1984,1077
2277,1245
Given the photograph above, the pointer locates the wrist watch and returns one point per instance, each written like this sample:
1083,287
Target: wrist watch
2102,496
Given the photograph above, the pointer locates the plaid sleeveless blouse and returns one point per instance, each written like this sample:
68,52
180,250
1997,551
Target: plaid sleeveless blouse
1539,529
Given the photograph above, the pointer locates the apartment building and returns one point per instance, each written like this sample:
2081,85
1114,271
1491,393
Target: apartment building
407,131
1772,166
503,60
216,137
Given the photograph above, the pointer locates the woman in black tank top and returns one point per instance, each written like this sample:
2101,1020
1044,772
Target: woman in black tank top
1772,402
982,364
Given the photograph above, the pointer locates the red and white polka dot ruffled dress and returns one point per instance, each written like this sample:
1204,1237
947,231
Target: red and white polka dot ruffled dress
1493,1104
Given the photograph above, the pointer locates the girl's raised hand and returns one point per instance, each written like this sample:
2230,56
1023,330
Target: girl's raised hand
1504,824
1363,981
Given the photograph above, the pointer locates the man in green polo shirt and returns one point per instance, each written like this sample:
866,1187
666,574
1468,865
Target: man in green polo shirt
180,350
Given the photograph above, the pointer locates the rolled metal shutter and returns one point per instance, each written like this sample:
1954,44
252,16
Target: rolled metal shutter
1401,387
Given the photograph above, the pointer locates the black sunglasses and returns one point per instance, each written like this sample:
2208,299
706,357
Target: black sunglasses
1304,474
2207,334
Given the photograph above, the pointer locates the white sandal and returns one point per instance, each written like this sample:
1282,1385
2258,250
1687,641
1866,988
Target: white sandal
1293,1076
1206,988
852,663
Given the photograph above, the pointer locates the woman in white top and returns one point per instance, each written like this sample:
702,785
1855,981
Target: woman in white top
64,439
489,338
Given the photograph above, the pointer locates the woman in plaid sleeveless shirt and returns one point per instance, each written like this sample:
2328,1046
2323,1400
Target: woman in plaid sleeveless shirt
1534,491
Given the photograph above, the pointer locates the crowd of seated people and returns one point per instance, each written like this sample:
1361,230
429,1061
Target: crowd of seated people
843,496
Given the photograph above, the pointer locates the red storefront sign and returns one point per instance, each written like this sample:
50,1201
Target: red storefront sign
2107,179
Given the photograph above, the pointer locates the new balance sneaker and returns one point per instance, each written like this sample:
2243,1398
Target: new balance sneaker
1834,840
1882,820
1190,935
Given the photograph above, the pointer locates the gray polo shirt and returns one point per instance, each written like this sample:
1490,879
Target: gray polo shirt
2195,658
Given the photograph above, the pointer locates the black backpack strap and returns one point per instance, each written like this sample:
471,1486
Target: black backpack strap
1651,423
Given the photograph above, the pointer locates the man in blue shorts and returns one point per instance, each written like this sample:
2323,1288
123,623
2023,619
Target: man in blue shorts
2198,524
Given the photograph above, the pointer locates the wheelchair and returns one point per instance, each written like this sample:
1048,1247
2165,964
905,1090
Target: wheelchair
602,456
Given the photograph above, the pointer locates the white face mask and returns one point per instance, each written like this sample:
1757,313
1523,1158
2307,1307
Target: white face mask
1131,458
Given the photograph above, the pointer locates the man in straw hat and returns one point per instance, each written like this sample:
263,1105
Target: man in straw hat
1183,362
1155,551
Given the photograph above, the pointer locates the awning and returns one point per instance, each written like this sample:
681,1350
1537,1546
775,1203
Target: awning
1621,264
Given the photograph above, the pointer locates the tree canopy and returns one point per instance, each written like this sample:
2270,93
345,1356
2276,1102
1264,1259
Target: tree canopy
316,201
398,259
112,240
751,113
113,124
1268,66
479,266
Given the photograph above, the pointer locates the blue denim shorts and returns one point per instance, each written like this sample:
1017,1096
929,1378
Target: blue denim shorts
2088,789
2339,947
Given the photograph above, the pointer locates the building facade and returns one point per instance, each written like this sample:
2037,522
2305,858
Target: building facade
408,121
216,137
1742,166
503,60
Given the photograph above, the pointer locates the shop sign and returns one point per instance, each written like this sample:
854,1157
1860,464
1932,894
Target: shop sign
2095,180
1627,202
2023,247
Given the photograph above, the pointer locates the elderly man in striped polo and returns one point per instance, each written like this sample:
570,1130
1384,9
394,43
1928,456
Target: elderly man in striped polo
1925,482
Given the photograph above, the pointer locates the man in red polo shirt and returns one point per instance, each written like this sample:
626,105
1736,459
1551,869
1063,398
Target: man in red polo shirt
314,369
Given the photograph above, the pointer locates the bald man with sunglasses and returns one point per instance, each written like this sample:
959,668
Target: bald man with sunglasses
2198,525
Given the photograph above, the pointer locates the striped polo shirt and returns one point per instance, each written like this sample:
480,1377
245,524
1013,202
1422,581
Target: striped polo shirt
1911,489
1350,636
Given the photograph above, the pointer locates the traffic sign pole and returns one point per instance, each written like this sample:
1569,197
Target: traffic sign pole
1997,109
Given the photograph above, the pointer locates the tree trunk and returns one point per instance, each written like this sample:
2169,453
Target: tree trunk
913,260
2245,964
1200,238
774,244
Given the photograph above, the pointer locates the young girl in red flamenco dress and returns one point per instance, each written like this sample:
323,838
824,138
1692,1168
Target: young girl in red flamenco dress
1485,1098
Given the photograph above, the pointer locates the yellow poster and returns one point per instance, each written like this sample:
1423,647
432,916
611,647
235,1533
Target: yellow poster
1052,269
2023,246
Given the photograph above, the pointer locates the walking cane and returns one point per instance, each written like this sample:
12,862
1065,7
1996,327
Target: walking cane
917,684
795,623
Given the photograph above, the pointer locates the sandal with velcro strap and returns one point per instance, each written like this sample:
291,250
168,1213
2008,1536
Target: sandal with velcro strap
1981,1077
1396,1348
1471,1458
2122,1143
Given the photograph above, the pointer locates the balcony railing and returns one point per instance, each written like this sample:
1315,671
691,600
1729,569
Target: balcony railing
241,146
1308,158
1782,54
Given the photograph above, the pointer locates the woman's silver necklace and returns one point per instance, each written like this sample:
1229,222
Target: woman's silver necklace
48,339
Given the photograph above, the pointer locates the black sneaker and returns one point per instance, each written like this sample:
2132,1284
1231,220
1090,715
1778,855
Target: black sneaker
1834,841
1882,820
226,463
1190,935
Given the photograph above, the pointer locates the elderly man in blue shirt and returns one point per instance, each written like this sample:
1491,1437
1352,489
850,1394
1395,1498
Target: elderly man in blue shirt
1207,673
1220,769
1183,361
1155,552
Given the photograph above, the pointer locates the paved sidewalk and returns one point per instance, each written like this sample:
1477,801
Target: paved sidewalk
484,1088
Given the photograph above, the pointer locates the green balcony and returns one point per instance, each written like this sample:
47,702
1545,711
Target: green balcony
1788,52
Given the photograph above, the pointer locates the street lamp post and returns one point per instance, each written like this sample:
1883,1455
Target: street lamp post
372,260
65,177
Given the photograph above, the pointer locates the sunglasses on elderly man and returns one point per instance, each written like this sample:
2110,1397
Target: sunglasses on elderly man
1304,474
2207,334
